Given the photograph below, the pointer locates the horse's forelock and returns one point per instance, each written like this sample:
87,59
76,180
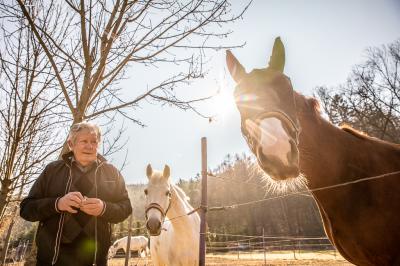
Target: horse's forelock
157,175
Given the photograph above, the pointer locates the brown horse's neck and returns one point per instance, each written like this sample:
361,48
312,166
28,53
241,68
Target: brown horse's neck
330,155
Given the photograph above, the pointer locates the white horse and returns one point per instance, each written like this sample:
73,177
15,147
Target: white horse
138,243
175,241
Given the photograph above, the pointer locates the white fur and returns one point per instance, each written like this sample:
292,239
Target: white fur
178,243
273,187
138,243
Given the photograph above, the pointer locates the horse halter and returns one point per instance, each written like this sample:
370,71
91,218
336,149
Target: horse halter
286,115
157,206
282,116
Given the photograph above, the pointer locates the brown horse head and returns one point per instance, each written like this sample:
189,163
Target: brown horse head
269,123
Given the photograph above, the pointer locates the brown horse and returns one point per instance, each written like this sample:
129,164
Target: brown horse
285,131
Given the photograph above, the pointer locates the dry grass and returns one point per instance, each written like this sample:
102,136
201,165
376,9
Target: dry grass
250,259
253,259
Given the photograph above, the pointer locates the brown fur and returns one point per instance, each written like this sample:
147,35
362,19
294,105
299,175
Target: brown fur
361,219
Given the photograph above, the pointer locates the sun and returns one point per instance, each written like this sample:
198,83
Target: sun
223,103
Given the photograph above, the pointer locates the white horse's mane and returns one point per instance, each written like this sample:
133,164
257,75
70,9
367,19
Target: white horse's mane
119,240
182,197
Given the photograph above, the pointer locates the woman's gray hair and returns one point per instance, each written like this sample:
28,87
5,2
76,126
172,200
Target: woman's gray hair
78,127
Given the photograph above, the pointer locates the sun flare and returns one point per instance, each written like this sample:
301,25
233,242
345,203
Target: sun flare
222,105
223,102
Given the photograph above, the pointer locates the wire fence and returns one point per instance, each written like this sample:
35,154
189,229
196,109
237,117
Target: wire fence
301,192
244,243
251,244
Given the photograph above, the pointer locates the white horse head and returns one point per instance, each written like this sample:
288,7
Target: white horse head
175,242
158,199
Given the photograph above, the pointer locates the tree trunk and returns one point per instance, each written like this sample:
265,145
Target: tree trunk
3,254
4,191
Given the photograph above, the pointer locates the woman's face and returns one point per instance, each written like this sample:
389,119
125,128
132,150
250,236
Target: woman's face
85,147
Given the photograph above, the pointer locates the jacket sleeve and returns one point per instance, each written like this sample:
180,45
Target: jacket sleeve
36,206
119,209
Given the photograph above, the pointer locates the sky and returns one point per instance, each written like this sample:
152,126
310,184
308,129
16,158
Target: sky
323,41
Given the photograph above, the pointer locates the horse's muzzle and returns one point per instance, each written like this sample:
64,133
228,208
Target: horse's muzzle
153,226
275,168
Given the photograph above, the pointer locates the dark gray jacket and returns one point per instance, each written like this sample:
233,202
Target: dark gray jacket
56,227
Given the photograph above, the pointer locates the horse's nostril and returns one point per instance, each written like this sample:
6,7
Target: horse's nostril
153,225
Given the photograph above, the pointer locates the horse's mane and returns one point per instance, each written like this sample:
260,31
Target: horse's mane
183,197
364,136
354,132
118,241
311,106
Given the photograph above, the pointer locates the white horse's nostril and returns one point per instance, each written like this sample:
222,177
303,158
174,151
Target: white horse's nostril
153,225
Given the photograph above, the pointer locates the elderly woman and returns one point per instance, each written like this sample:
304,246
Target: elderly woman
75,200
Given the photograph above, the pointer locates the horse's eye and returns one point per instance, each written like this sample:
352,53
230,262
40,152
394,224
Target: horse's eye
168,193
145,191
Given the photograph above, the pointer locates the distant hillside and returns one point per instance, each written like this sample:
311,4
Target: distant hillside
235,183
138,200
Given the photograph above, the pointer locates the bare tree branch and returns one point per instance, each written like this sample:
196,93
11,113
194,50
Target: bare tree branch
369,100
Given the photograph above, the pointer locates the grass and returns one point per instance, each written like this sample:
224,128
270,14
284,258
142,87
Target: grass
250,259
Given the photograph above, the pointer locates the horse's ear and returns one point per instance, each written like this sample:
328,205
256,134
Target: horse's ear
166,171
149,171
277,59
235,68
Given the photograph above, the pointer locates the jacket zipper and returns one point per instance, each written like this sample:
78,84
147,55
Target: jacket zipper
95,218
61,221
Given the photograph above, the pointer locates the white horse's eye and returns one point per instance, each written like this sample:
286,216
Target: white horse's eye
168,193
145,191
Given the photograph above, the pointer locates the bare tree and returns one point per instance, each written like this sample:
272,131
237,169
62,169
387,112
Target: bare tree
28,110
91,47
370,99
92,44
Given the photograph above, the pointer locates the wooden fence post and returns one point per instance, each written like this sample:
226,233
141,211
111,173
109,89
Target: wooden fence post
265,256
203,210
128,243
